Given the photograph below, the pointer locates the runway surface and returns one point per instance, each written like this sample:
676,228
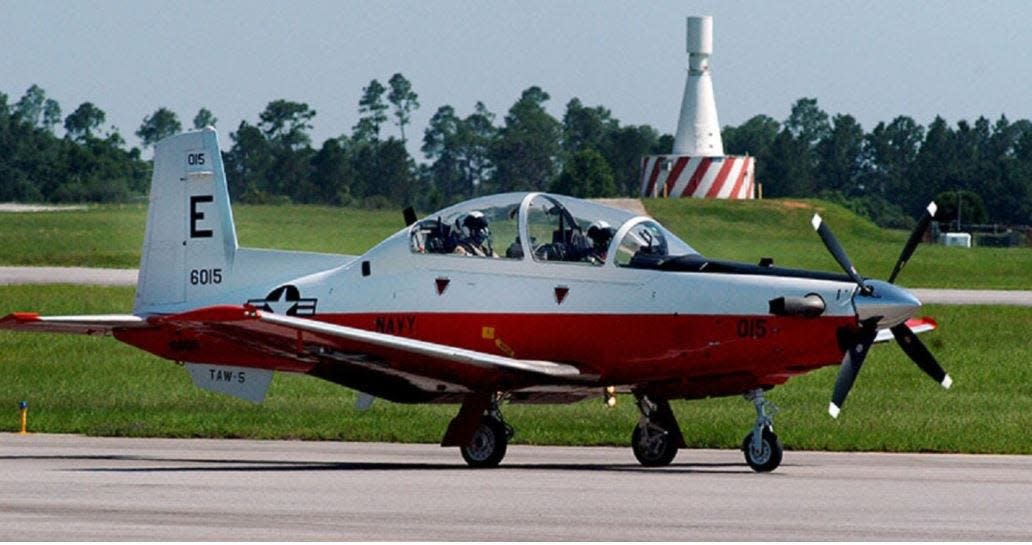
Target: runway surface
63,487
127,277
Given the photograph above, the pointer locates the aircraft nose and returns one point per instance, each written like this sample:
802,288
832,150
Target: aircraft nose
889,303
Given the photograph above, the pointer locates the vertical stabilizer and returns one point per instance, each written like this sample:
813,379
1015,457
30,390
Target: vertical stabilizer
190,241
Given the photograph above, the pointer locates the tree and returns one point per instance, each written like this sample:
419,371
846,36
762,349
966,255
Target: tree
525,154
459,149
807,122
587,175
286,124
840,156
332,174
890,152
51,114
789,169
965,206
442,145
623,149
932,165
478,141
204,118
404,100
161,124
248,161
754,137
585,127
81,124
35,109
372,112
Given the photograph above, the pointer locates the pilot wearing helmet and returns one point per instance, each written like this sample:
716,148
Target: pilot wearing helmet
600,233
475,238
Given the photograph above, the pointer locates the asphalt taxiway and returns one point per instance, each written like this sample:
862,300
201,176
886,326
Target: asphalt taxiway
64,487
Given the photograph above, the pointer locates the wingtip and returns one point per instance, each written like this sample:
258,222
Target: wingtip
833,410
947,381
932,209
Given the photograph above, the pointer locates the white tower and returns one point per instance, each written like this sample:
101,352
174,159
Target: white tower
697,166
698,130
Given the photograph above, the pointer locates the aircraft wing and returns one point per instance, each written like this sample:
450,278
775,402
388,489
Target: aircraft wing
98,324
259,328
433,350
917,325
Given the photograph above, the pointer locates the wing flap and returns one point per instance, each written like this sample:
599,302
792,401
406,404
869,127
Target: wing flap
97,324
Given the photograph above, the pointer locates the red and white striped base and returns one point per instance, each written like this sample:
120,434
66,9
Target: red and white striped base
728,177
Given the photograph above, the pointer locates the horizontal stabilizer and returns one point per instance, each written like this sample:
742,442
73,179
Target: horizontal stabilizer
98,324
917,325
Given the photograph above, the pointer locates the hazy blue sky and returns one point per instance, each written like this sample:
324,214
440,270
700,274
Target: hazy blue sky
871,59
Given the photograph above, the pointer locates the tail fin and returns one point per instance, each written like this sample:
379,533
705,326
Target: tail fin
190,241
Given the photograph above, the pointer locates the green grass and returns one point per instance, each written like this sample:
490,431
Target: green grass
749,230
111,236
102,387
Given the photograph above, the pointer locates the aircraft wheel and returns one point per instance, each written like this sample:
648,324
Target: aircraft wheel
488,445
768,458
653,446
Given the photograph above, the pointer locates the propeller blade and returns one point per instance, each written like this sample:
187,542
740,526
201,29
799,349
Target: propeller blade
851,363
920,355
837,251
915,238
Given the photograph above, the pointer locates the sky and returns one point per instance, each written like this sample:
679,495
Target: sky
874,59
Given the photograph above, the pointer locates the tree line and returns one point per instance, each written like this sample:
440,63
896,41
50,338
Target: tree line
888,173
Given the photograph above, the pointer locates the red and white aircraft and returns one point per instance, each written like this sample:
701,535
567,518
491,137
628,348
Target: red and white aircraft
518,297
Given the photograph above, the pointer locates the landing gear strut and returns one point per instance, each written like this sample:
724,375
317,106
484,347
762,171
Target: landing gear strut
479,431
762,448
657,436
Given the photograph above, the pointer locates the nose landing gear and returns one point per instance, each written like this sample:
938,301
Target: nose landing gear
762,448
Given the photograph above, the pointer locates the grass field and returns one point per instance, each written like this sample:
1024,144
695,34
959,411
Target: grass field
101,387
111,236
749,230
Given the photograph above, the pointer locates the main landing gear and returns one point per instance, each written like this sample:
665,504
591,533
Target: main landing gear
762,448
479,431
657,437
491,438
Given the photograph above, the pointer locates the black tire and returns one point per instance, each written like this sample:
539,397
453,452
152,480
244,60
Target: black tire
488,445
657,452
771,452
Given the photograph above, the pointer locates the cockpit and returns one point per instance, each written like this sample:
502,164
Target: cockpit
545,228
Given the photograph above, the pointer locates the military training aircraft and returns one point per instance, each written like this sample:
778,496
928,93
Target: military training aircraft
516,297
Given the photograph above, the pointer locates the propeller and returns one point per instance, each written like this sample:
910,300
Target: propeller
833,246
908,341
850,368
915,237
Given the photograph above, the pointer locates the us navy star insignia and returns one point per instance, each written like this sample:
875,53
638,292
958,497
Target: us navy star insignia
286,300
